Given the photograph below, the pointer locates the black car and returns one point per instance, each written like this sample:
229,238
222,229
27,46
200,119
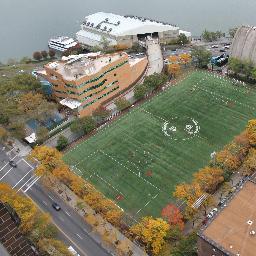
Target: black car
56,206
12,163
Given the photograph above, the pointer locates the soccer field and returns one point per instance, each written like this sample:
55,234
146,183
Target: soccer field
140,158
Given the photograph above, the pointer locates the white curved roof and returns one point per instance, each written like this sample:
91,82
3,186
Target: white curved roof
118,25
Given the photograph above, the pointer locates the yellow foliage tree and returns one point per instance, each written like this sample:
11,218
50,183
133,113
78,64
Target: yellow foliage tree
249,165
174,69
209,178
152,232
49,159
3,134
185,58
251,130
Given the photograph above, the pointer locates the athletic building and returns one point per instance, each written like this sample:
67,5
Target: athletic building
124,31
244,44
233,230
83,82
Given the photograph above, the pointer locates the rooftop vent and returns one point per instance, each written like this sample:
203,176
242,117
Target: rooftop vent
110,30
88,23
118,23
106,19
92,24
105,28
252,233
249,222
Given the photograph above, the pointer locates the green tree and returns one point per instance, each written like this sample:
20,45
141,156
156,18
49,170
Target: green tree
140,91
122,103
37,56
62,142
235,65
85,125
100,113
155,80
182,39
232,32
201,56
104,43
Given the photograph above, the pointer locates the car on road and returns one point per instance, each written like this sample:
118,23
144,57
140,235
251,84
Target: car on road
56,206
222,50
212,213
215,46
12,163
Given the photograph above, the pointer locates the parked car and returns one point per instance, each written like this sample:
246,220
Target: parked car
56,206
12,163
222,50
73,251
215,46
212,213
226,46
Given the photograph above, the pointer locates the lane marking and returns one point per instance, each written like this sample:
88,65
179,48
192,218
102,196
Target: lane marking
79,236
50,197
6,164
68,214
25,183
61,219
21,179
44,203
28,163
31,184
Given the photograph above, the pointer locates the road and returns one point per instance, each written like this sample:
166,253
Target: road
72,228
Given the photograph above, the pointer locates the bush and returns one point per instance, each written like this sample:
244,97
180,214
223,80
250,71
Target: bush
140,91
122,103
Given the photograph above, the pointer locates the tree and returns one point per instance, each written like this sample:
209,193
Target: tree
51,53
104,43
185,58
100,113
48,158
173,216
182,39
155,80
249,165
42,133
3,134
152,232
53,248
173,59
232,32
44,54
209,178
235,65
251,131
37,56
174,69
140,91
62,142
186,246
122,103
85,124
17,129
201,55
228,161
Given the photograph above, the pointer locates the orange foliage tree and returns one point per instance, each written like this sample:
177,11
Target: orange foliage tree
249,165
152,232
173,216
174,69
251,130
209,178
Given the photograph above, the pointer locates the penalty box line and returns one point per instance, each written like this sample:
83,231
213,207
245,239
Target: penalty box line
150,201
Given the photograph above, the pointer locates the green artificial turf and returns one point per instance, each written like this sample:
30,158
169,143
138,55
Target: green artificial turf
119,158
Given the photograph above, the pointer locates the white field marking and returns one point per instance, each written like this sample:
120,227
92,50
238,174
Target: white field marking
156,116
108,184
50,197
22,178
79,236
31,184
68,213
154,197
27,163
44,203
90,155
131,171
8,171
25,183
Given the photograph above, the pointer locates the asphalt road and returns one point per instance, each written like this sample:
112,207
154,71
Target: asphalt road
72,228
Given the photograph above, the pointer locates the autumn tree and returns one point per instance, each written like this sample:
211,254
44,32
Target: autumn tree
185,58
251,130
48,158
174,69
249,165
173,59
51,53
44,54
42,133
209,178
173,216
3,134
37,56
152,232
122,103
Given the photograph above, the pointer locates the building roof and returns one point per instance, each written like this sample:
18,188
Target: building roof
234,229
118,25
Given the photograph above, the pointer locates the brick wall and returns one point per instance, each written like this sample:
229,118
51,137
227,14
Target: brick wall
10,236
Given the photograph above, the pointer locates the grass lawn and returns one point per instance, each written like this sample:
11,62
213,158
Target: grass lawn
140,158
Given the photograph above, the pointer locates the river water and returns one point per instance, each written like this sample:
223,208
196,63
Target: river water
26,25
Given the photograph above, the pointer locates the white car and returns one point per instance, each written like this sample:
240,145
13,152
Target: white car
212,213
215,46
226,46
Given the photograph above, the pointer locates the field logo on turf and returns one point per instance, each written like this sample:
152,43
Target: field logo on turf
181,128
